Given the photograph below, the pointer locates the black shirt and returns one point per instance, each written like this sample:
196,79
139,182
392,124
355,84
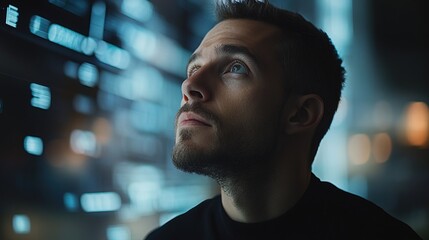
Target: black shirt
324,212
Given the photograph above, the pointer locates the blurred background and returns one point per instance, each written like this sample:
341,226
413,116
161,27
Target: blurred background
89,90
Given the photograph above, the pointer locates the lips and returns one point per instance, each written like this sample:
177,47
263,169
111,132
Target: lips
190,118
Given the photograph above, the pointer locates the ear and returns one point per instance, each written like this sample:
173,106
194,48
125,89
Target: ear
307,111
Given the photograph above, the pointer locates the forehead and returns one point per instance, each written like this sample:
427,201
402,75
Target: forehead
258,37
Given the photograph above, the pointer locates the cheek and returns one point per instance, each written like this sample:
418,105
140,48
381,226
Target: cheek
251,104
256,109
245,111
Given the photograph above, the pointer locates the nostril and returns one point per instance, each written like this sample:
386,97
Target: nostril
185,98
196,94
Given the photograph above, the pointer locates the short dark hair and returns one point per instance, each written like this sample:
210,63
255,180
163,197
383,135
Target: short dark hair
310,60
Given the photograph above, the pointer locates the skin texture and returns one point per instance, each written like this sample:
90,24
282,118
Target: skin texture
239,125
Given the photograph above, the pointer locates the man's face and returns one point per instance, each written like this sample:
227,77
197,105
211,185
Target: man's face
232,102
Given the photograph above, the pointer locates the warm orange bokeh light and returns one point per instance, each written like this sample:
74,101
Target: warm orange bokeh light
382,147
417,124
359,148
102,130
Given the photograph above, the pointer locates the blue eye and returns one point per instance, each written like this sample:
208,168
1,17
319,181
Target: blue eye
238,68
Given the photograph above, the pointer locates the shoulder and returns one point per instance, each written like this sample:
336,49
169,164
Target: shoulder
347,204
188,223
354,214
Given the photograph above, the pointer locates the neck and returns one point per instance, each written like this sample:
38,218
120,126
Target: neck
266,195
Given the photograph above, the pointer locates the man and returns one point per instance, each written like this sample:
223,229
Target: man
261,92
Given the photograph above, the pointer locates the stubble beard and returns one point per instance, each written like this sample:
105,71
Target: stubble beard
230,160
235,155
208,161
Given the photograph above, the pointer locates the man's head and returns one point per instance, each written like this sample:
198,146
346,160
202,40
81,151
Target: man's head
311,62
260,76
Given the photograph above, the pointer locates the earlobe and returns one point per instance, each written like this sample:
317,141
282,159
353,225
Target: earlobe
308,111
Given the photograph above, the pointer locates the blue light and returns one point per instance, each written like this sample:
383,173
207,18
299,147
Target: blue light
88,74
143,83
140,10
144,196
100,202
142,41
65,37
172,95
157,49
12,16
71,39
71,69
142,183
39,26
165,217
146,116
33,145
78,7
98,15
118,233
146,83
88,46
83,104
180,198
112,55
70,201
21,224
83,142
336,18
113,84
41,96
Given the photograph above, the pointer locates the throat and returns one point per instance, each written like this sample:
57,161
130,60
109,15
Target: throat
263,200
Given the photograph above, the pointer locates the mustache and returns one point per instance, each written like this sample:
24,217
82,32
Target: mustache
200,110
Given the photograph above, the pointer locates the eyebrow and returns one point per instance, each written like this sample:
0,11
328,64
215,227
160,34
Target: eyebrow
227,49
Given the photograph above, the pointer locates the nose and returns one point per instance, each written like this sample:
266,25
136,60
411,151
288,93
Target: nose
195,89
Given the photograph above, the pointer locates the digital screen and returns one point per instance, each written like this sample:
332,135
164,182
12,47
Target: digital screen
88,96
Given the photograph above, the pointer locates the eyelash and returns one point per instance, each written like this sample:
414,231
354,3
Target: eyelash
194,68
237,62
